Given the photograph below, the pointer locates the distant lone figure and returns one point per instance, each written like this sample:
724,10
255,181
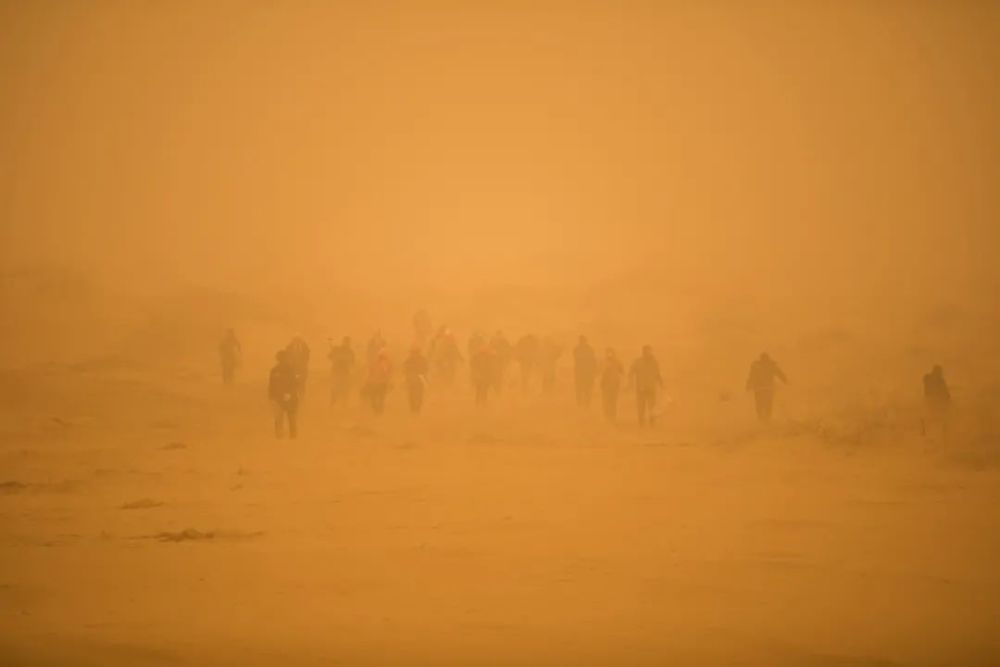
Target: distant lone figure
645,377
283,390
937,399
229,356
763,373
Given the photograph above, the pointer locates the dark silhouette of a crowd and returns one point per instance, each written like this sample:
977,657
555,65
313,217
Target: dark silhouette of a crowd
436,355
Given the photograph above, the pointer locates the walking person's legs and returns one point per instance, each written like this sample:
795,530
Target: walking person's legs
764,400
291,414
279,419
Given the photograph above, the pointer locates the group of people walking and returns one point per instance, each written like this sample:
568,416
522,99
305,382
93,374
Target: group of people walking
643,375
439,356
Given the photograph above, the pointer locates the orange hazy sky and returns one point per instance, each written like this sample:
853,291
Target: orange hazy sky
852,144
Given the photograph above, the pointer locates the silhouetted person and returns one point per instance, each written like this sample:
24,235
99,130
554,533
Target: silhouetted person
763,373
548,357
415,371
377,385
612,372
482,367
445,355
584,371
502,351
526,355
645,377
298,356
229,355
937,399
342,363
283,390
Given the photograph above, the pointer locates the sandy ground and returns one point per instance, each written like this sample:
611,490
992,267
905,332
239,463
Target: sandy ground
153,520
